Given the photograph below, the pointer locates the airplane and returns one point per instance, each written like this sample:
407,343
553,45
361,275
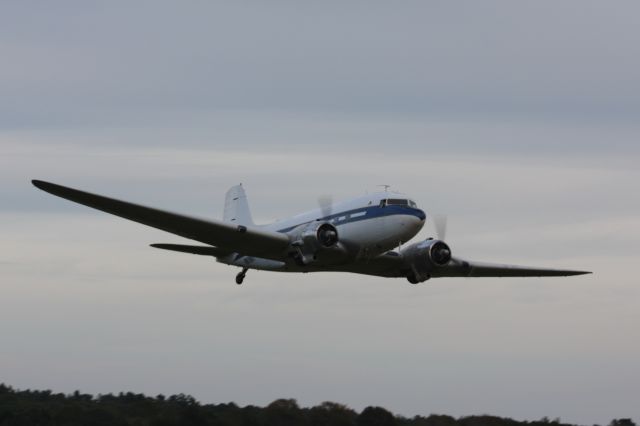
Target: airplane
363,235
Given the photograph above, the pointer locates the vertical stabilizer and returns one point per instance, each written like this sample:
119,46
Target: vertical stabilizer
236,207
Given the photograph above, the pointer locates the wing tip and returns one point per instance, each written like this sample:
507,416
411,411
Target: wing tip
579,273
39,183
46,186
161,246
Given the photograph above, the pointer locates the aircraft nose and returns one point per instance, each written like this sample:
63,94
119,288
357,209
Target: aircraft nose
418,221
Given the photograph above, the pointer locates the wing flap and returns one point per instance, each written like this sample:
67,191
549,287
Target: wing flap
246,240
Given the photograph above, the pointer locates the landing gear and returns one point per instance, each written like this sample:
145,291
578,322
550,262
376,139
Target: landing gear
412,279
241,275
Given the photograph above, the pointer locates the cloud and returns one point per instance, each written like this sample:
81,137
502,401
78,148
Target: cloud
75,64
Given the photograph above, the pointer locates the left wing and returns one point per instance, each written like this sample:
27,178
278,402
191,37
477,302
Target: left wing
250,241
464,268
393,264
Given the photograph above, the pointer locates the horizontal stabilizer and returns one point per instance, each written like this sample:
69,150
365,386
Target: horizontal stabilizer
201,250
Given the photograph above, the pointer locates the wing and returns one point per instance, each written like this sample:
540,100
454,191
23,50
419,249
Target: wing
225,236
393,264
464,268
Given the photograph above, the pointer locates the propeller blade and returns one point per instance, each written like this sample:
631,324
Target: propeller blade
326,205
440,222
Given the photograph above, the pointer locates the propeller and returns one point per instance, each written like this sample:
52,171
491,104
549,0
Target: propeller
440,222
441,253
327,235
326,205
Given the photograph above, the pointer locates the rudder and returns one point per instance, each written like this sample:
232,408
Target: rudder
236,207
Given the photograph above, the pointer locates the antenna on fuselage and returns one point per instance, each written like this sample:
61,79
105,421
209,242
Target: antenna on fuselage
386,187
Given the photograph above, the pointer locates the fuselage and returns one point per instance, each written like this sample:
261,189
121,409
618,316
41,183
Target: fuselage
374,223
367,226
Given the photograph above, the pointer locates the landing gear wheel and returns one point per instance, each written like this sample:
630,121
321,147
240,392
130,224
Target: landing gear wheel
240,276
412,279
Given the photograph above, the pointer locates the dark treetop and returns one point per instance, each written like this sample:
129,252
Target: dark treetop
31,407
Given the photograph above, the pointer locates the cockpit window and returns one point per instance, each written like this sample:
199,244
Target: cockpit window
413,204
397,202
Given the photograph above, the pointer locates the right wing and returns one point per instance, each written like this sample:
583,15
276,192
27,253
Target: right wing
228,237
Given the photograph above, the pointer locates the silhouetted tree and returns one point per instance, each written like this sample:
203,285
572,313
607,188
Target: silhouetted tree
434,420
622,422
45,408
376,416
332,414
284,412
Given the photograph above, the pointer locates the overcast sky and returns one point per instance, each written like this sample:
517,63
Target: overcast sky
521,120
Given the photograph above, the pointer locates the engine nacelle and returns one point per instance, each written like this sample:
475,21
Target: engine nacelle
424,257
310,238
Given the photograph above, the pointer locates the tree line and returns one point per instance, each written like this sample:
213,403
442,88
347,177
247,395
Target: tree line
34,407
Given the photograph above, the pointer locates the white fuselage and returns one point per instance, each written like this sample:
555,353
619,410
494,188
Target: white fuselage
367,225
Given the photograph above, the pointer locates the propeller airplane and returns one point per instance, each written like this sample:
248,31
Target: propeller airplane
363,235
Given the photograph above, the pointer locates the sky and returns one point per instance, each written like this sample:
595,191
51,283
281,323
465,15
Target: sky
520,120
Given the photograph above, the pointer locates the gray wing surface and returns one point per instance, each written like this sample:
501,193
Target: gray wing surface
394,265
226,237
464,268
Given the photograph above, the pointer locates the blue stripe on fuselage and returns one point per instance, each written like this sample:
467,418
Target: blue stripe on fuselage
356,215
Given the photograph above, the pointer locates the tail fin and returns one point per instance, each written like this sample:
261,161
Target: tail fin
236,207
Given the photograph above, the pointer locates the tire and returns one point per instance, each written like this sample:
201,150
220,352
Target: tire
412,279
